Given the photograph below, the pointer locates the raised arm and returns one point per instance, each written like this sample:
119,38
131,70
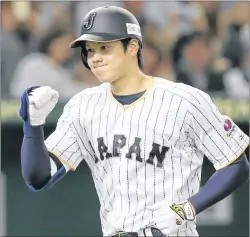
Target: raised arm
40,169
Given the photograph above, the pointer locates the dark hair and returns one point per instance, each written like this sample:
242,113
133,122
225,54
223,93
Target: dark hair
183,41
46,41
125,43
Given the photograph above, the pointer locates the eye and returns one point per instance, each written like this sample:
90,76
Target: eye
105,47
89,50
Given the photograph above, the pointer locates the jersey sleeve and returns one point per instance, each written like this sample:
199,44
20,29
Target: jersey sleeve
214,134
63,143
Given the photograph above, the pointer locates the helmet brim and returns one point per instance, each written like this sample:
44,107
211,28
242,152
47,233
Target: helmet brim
94,38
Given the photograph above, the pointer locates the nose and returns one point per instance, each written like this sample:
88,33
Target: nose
97,57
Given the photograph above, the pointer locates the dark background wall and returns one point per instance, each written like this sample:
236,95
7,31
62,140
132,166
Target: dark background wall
71,208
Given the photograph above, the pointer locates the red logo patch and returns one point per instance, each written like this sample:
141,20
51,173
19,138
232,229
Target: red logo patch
228,125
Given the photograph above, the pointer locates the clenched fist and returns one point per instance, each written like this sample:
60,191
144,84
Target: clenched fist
37,103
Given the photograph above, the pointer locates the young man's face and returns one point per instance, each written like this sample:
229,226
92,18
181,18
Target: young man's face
107,60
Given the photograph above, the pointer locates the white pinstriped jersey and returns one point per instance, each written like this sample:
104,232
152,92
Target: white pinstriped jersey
149,151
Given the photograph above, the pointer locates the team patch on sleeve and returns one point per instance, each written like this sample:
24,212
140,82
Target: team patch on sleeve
229,126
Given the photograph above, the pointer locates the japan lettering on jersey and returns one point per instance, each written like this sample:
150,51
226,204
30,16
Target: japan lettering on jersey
149,151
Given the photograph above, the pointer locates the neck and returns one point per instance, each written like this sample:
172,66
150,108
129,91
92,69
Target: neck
132,84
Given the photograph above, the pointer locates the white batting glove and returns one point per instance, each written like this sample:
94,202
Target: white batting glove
168,218
41,102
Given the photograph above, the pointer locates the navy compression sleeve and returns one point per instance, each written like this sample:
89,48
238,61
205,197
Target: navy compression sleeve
222,183
35,160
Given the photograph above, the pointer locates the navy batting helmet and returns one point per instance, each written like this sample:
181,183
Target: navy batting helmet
105,24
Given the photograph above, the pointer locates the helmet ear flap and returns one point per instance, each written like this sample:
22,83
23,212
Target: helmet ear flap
84,57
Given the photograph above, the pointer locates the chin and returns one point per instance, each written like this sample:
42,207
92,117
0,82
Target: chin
105,78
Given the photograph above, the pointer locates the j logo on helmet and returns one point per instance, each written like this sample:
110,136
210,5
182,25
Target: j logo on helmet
89,23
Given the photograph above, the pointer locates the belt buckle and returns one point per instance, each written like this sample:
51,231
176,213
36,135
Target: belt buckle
120,233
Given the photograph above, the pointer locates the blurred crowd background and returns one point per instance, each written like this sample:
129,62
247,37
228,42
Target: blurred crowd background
204,44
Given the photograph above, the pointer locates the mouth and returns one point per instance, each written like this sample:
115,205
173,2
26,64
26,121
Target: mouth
99,66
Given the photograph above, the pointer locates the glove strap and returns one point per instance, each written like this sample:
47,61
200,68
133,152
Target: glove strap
189,211
185,210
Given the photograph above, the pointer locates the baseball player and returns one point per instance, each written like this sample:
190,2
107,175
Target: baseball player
143,138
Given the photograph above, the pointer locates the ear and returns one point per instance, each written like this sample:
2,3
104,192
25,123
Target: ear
133,47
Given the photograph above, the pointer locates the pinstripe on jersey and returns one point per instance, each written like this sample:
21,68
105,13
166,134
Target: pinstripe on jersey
146,152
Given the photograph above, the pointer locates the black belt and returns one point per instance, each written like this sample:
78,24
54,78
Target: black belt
126,234
155,232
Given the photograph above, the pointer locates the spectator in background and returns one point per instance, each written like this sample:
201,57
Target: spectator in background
237,79
58,12
156,62
151,58
26,14
237,50
193,68
11,47
17,39
46,67
172,19
231,12
211,12
236,39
